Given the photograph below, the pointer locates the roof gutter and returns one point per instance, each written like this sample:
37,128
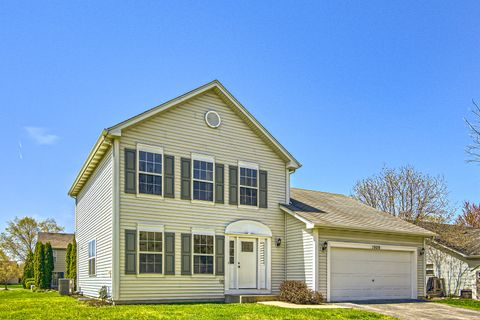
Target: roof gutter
91,155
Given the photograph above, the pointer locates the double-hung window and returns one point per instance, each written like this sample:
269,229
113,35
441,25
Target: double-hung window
92,257
203,254
150,169
150,245
248,185
203,177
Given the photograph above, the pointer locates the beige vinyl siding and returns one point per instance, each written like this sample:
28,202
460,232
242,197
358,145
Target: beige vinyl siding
456,273
181,131
373,238
300,251
94,222
60,263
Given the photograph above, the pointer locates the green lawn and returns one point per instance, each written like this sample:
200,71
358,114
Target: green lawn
23,304
464,303
12,286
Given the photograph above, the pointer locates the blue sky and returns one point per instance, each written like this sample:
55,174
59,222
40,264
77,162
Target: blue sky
346,86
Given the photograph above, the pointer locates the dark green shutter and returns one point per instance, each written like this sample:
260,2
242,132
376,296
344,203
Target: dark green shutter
263,190
220,255
186,178
169,253
219,183
130,251
186,254
169,177
130,171
233,184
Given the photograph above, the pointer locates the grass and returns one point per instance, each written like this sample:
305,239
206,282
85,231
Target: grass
463,303
22,304
12,286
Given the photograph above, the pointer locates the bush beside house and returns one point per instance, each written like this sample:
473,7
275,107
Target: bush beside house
298,292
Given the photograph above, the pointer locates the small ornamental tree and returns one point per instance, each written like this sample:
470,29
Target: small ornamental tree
39,266
48,251
28,271
73,263
67,260
8,270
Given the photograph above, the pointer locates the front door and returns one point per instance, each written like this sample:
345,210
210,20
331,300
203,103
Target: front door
247,263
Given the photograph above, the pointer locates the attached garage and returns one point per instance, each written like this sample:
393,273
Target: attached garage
349,251
371,272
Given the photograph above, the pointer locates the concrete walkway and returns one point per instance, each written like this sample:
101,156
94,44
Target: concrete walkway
282,304
417,310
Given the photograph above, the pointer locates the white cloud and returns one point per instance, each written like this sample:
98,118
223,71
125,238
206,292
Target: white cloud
41,136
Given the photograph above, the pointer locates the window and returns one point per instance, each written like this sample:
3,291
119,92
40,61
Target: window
248,186
203,254
202,180
54,256
247,246
92,257
150,170
231,252
150,252
55,277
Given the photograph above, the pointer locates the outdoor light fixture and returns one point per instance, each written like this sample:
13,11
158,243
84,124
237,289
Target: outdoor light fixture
324,246
422,251
278,242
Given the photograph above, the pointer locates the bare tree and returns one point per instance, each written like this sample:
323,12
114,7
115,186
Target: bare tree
473,150
470,215
407,194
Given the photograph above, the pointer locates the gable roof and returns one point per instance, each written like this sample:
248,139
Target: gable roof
57,240
461,239
105,140
322,209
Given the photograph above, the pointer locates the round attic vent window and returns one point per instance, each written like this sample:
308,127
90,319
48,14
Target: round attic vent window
213,119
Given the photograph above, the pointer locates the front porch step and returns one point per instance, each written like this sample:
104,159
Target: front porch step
249,298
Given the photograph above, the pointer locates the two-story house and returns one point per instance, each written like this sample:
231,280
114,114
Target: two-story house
191,201
59,243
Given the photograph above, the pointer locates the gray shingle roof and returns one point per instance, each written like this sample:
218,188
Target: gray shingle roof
57,240
339,211
465,240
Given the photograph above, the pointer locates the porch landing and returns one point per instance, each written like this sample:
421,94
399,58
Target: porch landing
249,298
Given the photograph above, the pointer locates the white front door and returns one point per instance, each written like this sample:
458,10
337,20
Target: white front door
247,263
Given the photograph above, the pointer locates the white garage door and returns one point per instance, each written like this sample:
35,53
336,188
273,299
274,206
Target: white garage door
360,274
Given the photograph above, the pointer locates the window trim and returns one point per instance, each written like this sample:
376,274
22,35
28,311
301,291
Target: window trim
203,232
54,255
151,149
204,158
91,258
150,228
248,165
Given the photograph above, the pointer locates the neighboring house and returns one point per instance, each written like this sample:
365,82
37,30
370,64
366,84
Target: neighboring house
59,243
454,255
191,201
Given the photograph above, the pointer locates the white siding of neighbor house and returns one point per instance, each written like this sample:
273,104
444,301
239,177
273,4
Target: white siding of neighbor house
456,273
59,265
370,238
94,222
300,251
181,131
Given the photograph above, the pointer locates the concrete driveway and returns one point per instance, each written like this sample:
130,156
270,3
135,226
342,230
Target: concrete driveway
417,310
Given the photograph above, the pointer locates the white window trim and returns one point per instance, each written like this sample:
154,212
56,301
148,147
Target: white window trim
54,254
248,165
152,149
205,158
203,232
150,228
93,257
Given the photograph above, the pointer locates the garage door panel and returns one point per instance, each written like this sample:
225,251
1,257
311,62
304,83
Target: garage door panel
360,274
